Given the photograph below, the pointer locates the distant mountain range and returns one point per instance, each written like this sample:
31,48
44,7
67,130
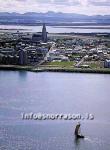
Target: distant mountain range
51,17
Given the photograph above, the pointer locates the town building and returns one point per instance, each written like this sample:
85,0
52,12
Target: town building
40,36
107,64
37,37
23,57
44,33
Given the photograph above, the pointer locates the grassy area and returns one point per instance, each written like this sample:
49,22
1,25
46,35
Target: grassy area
75,56
59,69
61,64
77,70
15,67
94,64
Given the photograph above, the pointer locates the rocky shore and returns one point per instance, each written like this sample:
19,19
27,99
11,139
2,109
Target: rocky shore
45,69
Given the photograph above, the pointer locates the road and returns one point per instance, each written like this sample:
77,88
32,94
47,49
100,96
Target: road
80,62
45,58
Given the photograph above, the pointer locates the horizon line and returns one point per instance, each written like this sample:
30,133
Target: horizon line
52,12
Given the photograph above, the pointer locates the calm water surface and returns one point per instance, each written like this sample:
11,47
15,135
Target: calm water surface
53,93
55,29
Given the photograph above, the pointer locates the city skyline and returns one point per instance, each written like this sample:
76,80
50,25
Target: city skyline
87,7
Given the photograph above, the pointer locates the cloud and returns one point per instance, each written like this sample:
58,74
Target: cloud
59,2
88,7
100,3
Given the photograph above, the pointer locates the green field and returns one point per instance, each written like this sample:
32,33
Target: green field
95,64
61,64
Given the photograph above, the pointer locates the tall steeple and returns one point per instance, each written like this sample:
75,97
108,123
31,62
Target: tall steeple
44,33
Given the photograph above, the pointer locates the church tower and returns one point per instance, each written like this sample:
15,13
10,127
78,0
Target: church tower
44,33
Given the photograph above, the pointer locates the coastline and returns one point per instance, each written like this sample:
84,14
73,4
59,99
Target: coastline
40,69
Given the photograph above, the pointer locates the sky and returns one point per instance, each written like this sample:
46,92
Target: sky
88,7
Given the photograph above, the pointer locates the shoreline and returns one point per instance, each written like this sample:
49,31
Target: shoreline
40,69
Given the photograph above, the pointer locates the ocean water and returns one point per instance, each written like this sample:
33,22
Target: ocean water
56,29
67,93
